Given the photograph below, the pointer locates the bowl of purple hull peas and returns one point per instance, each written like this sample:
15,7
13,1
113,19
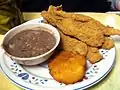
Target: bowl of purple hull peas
31,44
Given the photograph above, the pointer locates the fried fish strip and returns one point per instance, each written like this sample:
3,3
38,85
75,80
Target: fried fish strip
69,27
88,25
82,19
73,45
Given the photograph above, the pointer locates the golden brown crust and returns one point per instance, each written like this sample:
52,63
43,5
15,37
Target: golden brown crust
73,45
69,26
81,35
85,33
108,43
82,27
67,67
111,31
93,55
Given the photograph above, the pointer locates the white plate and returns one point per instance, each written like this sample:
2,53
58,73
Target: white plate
38,77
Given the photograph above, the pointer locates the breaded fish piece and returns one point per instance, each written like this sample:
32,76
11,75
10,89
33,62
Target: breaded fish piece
73,45
83,19
77,27
85,33
69,27
81,27
67,67
108,43
93,55
58,12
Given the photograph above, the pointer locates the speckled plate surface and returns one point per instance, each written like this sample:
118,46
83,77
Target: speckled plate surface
38,77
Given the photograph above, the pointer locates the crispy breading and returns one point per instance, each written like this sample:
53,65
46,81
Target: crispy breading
108,44
107,30
79,26
73,45
81,37
82,29
111,31
69,27
82,19
83,33
93,55
67,67
63,14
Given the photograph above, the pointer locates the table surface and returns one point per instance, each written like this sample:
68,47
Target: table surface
110,82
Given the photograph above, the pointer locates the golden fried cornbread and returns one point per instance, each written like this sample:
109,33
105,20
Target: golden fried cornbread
67,67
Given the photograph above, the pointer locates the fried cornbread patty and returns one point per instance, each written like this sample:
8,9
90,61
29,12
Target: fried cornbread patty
67,67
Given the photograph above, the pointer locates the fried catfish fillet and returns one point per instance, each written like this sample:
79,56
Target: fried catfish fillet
69,27
79,26
67,67
83,19
73,45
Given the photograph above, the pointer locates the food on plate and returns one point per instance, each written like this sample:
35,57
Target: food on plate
67,67
73,45
30,43
81,38
70,27
108,43
93,55
81,28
